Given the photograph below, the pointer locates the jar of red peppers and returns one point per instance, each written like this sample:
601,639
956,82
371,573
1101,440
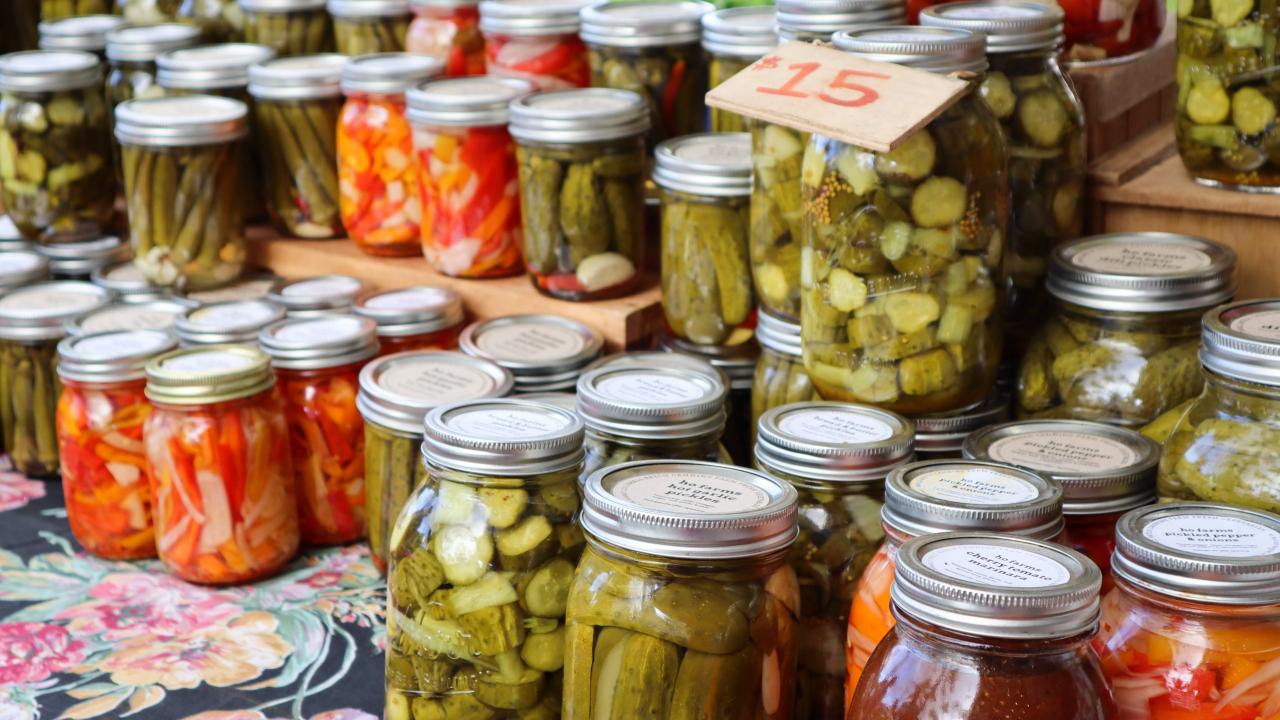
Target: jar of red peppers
323,295
233,321
543,352
100,418
449,31
536,40
377,179
1192,629
1105,29
733,39
317,362
414,318
467,175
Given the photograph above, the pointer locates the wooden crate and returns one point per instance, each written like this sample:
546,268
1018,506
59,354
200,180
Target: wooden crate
1124,99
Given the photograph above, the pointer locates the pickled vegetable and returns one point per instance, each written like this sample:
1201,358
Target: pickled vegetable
368,35
29,390
297,156
706,274
381,207
777,217
719,69
779,380
1160,428
550,63
301,32
1223,449
392,469
673,79
451,35
58,9
1097,30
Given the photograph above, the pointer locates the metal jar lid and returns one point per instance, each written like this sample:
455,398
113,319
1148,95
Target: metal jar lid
1242,341
270,6
532,18
11,237
465,102
82,32
651,403
397,391
934,49
411,311
1142,272
940,433
80,259
713,164
502,437
688,510
996,586
111,355
21,267
142,43
39,311
153,315
311,343
736,358
388,73
936,496
564,400
252,285
210,67
833,443
644,23
127,281
321,295
181,121
777,334
233,321
659,358
1011,26
543,352
213,374
356,9
818,19
580,115
48,71
301,77
746,32
1102,468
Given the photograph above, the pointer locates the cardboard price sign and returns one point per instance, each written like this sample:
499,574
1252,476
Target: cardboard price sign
870,104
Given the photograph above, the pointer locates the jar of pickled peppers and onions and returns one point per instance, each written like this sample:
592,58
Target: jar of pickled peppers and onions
78,260
21,267
232,321
544,353
86,33
414,318
780,377
449,31
313,296
159,314
940,436
736,362
367,27
734,38
290,27
535,40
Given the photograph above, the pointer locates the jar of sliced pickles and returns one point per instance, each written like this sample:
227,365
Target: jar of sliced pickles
683,604
481,563
1120,345
99,419
55,145
313,296
736,362
544,353
535,40
780,377
836,456
228,322
160,314
396,393
86,33
58,9
414,318
290,27
940,436
582,170
449,31
733,39
466,162
127,283
78,260
252,285
365,27
19,268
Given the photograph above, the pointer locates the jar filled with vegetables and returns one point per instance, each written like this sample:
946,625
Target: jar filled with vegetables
55,145
780,377
396,393
1192,629
449,31
158,314
78,260
100,417
940,436
535,40
317,363
127,283
377,177
148,12
252,285
131,56
836,455
290,27
1120,344
736,362
366,27
733,39
86,33
313,296
219,20
1099,30
543,352
683,604
58,9
414,318
582,168
231,321
21,267
467,175
481,562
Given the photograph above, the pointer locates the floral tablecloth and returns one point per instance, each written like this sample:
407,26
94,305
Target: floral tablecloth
86,638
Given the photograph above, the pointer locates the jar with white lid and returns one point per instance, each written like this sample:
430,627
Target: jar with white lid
21,267
127,283
10,236
661,359
290,27
321,295
252,285
449,31
364,27
736,360
78,260
229,322
734,38
543,352
86,33
131,55
414,318
158,314
780,377
536,40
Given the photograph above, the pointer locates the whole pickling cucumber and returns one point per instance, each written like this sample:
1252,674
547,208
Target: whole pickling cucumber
364,37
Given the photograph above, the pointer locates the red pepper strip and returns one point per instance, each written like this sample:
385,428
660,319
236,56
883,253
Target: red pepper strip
231,458
549,62
1189,687
566,282
334,438
343,518
670,94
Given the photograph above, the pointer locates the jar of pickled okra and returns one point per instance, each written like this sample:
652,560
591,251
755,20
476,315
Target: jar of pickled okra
58,9
1120,343
736,361
414,318
11,237
396,393
941,436
21,267
252,285
132,52
31,324
940,496
449,31
377,176
127,283
218,20
290,27
55,145
86,33
229,322
296,103
79,260
317,362
99,421
780,377
683,604
485,551
582,169
543,352
836,455
365,27
182,169
313,296
734,38
467,175
158,314
535,40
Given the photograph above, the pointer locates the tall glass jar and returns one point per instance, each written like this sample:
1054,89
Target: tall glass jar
836,456
683,604
780,377
217,446
481,562
55,145
1192,629
736,363
86,33
449,31
100,417
230,321
940,436
396,393
290,27
1120,344
366,27
315,296
990,626
467,175
377,176
535,40
158,314
582,170
77,260
414,318
132,52
544,353
733,39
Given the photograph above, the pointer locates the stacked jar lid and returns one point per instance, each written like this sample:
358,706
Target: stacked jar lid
418,310
818,19
315,342
937,50
323,295
397,391
143,43
820,444
209,68
938,496
747,32
234,321
651,403
941,435
157,314
543,352
21,267
644,23
87,33
79,260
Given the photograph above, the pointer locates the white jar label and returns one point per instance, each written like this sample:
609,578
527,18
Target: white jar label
209,361
1142,259
1053,451
974,486
650,389
1263,325
997,566
1214,535
492,424
52,302
321,330
436,382
322,287
531,342
835,426
131,318
121,344
234,315
691,492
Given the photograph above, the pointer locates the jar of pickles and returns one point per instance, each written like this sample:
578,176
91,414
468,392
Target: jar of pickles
414,318
481,563
228,322
21,267
132,52
55,146
86,33
158,314
683,604
780,377
313,296
733,39
535,40
99,420
365,27
736,362
449,31
836,456
467,175
78,260
377,177
1192,629
582,170
396,393
290,27
1120,345
221,69
544,353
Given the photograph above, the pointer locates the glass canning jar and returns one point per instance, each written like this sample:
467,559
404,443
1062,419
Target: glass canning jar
1192,628
86,33
481,562
1100,30
449,31
543,352
1120,343
735,361
536,40
467,175
396,393
683,604
780,377
414,318
157,314
21,267
231,321
314,296
99,420
218,20
290,27
734,38
366,27
940,436
129,286
836,455
78,260
582,171
131,54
